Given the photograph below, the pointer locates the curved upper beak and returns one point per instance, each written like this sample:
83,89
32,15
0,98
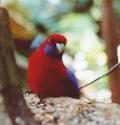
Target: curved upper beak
60,47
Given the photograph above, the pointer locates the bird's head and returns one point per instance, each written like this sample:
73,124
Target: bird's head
55,45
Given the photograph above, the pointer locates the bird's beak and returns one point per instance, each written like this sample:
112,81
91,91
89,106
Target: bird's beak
60,47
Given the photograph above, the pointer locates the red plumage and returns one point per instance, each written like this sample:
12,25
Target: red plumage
47,75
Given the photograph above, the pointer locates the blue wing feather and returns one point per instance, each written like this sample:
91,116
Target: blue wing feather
72,79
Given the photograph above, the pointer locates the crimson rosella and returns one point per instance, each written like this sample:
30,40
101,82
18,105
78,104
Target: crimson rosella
47,75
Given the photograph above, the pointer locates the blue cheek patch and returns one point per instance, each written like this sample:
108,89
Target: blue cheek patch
50,50
72,79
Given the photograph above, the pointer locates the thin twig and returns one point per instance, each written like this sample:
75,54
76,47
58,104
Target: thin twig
107,73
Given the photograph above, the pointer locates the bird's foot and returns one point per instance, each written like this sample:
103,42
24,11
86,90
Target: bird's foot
42,100
28,92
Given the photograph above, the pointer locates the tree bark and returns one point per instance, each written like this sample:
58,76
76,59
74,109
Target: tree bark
10,81
111,38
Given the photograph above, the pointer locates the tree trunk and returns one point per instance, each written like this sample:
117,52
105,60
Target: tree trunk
111,39
10,81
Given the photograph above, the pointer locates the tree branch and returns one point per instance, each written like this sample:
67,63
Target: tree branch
9,78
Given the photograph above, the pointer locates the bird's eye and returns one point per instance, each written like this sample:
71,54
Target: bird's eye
53,40
61,42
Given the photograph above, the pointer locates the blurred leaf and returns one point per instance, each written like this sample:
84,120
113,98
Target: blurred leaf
117,6
20,31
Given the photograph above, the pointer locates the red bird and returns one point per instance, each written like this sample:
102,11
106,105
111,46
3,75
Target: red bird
47,75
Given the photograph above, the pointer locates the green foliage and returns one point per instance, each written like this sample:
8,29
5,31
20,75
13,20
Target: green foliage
117,6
